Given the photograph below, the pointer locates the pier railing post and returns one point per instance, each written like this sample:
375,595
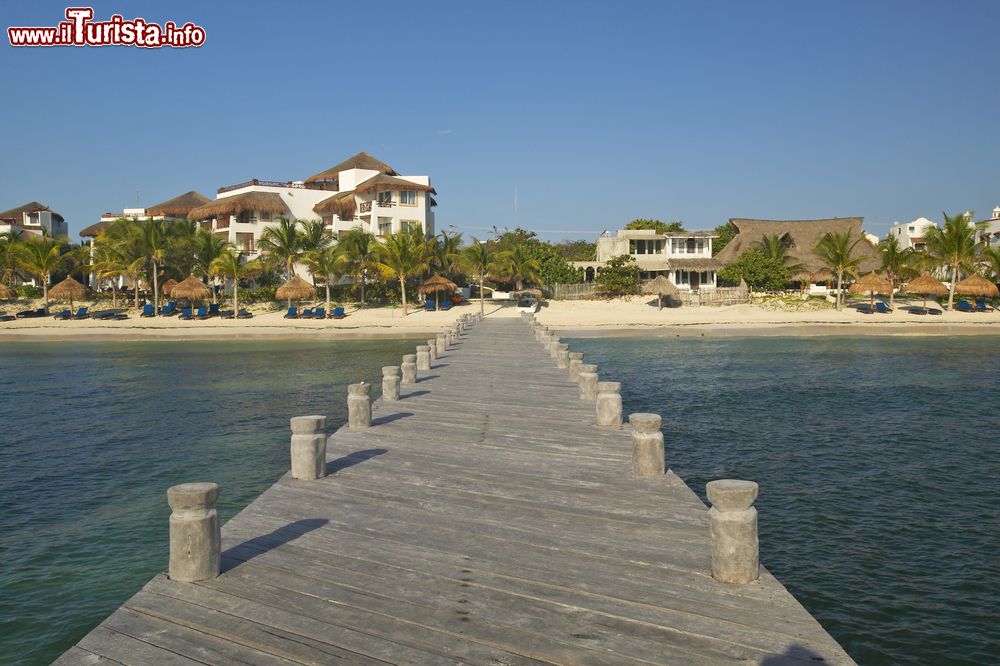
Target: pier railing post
409,369
433,349
359,405
390,383
575,361
609,404
647,445
733,518
553,342
588,381
562,356
308,447
195,537
423,357
441,342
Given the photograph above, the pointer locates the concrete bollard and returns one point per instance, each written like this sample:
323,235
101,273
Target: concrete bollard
575,361
423,357
562,357
433,349
409,369
441,342
609,404
733,519
553,342
359,405
390,383
647,445
588,381
308,447
195,537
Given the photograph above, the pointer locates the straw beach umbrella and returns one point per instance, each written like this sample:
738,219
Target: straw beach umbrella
6,292
436,284
660,286
977,285
192,289
168,286
68,290
871,284
296,288
927,285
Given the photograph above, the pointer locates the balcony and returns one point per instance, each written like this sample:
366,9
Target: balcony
365,207
274,183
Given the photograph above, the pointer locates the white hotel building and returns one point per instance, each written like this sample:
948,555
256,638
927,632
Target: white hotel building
33,219
685,257
912,234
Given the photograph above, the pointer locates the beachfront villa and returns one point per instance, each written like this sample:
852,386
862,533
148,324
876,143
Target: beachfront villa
684,258
912,234
989,229
176,208
35,219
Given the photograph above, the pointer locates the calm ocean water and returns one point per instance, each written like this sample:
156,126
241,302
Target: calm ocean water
878,460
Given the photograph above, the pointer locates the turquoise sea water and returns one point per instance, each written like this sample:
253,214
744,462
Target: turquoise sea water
878,460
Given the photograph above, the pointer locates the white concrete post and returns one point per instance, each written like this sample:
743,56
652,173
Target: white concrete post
562,357
733,519
433,349
441,342
308,447
409,369
609,404
588,381
423,357
359,405
195,537
390,383
553,341
647,445
575,361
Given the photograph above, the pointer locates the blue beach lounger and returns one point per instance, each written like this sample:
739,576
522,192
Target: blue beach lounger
185,313
964,306
64,315
319,313
293,313
306,314
882,308
202,313
82,313
169,310
147,310
981,305
338,313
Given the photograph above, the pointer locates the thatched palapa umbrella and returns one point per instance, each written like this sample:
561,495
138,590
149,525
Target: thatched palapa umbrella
296,288
435,284
68,290
977,285
871,284
192,289
927,285
6,292
660,286
168,286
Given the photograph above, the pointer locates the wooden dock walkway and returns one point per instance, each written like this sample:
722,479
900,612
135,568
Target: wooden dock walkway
483,519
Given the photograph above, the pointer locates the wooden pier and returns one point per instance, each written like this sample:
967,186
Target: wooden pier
483,519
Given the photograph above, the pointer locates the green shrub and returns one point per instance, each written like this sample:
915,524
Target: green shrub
618,277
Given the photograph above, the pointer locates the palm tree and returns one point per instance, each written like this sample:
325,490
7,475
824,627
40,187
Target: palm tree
519,267
897,263
233,265
359,248
121,234
11,253
776,246
991,257
41,258
207,248
151,238
954,245
835,250
110,263
315,237
183,237
446,254
480,259
402,255
283,243
328,264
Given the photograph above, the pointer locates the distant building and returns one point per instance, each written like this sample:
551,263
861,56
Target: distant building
988,231
685,257
171,209
912,234
34,219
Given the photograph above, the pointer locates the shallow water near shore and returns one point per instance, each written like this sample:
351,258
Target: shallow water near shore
878,505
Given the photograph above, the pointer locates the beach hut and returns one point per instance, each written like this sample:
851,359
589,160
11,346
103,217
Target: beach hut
6,292
977,285
660,286
435,285
926,285
191,288
68,290
296,288
167,287
871,284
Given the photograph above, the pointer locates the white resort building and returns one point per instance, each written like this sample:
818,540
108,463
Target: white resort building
35,219
685,257
989,230
912,234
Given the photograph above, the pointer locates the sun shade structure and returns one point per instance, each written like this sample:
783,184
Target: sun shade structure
68,290
179,206
167,286
382,183
660,286
360,161
192,289
927,285
977,285
6,292
342,205
803,235
296,288
435,284
248,202
871,284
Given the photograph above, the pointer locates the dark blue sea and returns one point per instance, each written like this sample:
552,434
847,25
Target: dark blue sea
878,460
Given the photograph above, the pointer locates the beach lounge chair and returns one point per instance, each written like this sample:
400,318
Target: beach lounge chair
429,305
882,308
934,311
319,313
29,314
244,314
147,310
445,305
64,315
338,313
186,314
202,313
964,306
293,313
213,310
306,314
169,310
982,306
918,310
865,308
6,317
82,313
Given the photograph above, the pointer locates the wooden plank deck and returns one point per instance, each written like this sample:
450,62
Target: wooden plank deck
482,520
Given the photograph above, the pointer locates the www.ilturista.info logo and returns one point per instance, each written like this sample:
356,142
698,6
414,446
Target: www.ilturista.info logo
80,30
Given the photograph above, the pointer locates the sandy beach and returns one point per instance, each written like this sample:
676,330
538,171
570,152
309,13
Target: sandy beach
627,316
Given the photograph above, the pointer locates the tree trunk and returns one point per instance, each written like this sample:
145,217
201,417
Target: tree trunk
840,288
236,298
362,289
402,290
45,292
328,295
137,293
482,299
156,292
892,293
114,296
951,288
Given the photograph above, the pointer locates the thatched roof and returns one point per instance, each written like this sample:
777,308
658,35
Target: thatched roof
694,264
437,283
872,283
926,285
976,285
382,182
248,202
660,285
360,161
68,289
295,288
167,286
178,206
192,289
17,214
804,235
341,204
94,229
6,292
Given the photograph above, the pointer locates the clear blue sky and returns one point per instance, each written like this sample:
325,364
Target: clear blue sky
596,112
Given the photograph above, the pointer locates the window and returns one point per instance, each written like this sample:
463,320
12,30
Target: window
911,229
408,198
410,224
384,226
385,198
265,217
244,242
